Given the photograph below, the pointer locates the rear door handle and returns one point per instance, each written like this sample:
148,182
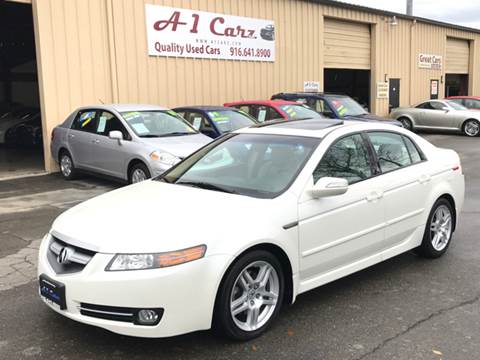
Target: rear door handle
424,178
96,141
374,195
71,136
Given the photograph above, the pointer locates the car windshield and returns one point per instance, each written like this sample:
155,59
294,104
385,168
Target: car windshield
346,106
255,165
455,105
157,123
230,120
295,111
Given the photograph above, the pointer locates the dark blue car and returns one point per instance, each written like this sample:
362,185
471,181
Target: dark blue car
334,106
215,121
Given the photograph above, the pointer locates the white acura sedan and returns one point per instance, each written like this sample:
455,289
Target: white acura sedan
246,224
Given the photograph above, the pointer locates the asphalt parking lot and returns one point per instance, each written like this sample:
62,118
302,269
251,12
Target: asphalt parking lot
404,308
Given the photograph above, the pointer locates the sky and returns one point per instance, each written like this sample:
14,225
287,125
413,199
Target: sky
459,12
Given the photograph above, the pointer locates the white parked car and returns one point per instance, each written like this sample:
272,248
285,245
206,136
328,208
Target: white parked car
246,224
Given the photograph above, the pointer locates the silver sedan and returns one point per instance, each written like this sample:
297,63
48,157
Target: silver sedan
130,142
441,115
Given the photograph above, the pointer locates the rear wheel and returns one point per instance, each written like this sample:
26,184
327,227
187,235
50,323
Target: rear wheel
250,296
438,231
406,123
138,173
67,167
471,128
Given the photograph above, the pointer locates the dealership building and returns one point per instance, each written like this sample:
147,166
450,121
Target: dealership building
60,54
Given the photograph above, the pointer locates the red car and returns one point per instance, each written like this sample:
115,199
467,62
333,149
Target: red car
265,110
470,102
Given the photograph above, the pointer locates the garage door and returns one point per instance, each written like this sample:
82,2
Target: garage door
346,44
458,53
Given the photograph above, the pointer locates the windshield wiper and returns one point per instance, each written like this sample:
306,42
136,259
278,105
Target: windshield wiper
177,133
205,185
390,161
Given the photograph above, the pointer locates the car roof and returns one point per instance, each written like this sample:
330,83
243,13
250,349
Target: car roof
309,94
275,102
125,107
317,128
463,97
203,108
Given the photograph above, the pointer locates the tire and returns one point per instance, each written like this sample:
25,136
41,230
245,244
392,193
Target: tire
430,248
138,172
471,128
407,123
255,293
67,167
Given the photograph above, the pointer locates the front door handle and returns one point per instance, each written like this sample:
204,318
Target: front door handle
424,178
71,136
374,195
96,141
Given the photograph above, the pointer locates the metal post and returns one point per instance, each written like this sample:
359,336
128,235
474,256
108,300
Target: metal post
410,7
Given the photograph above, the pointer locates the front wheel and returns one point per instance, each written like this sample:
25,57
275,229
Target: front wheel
471,128
139,172
250,296
438,231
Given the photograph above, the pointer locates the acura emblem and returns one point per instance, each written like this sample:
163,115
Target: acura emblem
64,255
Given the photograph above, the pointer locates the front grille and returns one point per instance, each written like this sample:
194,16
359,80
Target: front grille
114,313
66,259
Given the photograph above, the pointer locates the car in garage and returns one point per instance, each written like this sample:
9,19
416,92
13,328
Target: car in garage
470,102
26,133
10,119
231,233
439,115
334,106
215,121
124,141
267,110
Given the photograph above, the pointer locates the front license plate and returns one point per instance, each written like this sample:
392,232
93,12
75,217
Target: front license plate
52,291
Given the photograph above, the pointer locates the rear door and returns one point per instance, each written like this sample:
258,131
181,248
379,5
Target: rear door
110,156
81,138
405,176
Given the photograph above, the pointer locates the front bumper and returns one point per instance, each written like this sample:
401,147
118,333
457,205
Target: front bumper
186,293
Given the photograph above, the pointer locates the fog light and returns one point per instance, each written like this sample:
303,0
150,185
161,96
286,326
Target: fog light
147,317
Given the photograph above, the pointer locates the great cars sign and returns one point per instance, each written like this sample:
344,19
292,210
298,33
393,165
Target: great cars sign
427,61
199,34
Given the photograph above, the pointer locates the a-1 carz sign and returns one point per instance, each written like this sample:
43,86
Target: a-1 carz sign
199,34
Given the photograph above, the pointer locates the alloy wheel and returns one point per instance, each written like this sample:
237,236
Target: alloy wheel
472,128
441,228
138,175
254,295
66,165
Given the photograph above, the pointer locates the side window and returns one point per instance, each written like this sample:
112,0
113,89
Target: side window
472,104
425,105
86,120
323,108
392,153
108,122
198,121
415,155
437,105
458,101
347,158
246,109
267,113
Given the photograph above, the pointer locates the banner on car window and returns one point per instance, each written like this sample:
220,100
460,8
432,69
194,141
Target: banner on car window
198,34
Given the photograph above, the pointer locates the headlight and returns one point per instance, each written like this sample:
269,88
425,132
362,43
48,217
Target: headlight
154,261
164,157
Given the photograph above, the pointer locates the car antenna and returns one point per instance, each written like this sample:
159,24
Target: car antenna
101,101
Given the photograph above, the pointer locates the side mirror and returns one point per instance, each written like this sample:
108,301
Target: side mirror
116,135
328,186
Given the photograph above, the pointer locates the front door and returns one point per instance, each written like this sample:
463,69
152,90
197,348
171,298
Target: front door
436,115
394,94
109,156
339,230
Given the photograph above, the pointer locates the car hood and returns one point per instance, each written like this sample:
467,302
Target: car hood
180,146
154,216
